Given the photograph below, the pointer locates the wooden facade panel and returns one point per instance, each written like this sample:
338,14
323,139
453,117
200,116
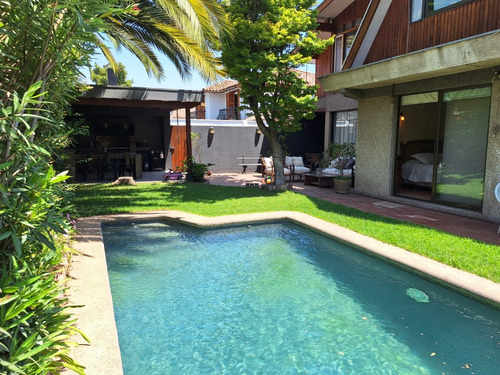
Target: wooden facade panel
178,143
391,38
324,66
398,36
353,12
494,15
470,19
345,21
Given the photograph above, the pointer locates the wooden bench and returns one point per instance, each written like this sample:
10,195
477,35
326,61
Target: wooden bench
246,161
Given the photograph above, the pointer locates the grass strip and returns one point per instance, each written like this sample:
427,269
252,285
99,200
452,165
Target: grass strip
211,200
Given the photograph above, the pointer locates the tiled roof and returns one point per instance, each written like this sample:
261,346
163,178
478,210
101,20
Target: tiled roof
222,86
310,78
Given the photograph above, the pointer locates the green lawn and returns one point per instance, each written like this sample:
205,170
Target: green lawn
210,200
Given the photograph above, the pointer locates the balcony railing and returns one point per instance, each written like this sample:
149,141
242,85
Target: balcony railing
230,113
198,114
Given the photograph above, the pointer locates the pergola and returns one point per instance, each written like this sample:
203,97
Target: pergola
100,100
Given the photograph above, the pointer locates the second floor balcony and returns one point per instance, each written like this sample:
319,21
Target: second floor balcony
230,113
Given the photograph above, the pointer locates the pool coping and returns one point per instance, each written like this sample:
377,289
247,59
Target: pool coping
89,284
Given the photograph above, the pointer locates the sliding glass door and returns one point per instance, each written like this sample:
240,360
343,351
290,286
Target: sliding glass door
442,142
460,172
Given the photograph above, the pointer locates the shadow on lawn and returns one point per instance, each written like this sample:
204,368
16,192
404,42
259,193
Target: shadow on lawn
107,199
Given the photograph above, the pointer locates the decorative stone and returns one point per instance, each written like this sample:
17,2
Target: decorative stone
272,187
125,180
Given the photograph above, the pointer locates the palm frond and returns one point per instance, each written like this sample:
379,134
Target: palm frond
187,32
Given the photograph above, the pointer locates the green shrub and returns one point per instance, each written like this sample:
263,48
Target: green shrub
198,170
35,325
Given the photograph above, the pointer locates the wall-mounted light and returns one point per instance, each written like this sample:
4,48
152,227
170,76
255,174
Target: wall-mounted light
401,116
258,131
211,130
496,129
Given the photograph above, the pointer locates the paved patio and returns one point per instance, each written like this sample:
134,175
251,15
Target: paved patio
434,216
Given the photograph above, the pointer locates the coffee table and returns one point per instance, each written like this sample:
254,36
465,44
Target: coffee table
322,180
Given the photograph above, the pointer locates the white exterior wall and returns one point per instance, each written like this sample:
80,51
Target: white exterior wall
214,102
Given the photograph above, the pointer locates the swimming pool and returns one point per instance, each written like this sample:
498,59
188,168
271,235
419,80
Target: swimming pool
276,299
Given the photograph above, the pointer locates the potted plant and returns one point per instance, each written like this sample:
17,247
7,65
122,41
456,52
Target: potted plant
198,170
323,163
343,155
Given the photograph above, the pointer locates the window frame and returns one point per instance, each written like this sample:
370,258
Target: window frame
351,117
340,51
427,12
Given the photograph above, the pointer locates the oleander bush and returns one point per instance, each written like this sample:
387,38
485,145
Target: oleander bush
35,321
43,45
38,78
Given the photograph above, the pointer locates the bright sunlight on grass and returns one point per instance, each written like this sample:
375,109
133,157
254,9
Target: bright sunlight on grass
210,200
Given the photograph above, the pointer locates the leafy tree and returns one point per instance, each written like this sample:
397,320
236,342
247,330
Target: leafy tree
187,32
99,75
271,39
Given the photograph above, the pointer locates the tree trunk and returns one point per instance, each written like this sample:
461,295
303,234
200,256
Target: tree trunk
272,137
277,152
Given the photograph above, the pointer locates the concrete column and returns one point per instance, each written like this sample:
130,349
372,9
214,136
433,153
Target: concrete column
375,146
328,128
491,207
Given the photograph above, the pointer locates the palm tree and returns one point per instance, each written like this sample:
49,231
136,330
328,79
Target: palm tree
188,32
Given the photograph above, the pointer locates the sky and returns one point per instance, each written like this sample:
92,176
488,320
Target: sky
137,73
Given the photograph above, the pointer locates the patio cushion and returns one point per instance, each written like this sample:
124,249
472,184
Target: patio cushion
298,161
336,172
350,164
301,170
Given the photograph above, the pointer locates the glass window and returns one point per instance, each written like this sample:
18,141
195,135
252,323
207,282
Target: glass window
416,10
348,41
442,139
434,5
339,55
425,8
345,127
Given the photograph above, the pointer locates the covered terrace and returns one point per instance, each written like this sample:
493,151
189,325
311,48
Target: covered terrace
129,131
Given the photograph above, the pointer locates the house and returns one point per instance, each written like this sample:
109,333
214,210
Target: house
222,101
226,132
418,83
222,131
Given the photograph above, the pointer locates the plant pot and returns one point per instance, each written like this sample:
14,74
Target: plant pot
342,185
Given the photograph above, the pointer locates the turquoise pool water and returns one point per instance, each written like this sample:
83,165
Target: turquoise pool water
279,299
